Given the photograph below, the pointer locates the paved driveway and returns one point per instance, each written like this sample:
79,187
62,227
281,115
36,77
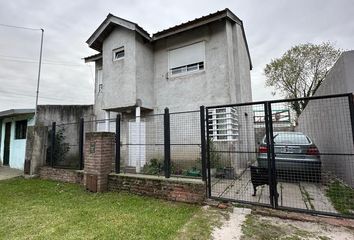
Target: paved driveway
6,173
301,195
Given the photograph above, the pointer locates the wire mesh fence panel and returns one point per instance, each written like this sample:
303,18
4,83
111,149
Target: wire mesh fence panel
314,158
185,144
66,147
142,145
233,135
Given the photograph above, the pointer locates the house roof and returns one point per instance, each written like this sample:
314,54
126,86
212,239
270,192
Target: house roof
106,27
93,58
111,21
14,112
226,13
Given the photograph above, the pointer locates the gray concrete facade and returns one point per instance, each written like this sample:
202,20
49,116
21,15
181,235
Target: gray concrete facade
328,122
141,78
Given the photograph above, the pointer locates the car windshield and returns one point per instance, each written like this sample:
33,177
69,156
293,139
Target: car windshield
286,138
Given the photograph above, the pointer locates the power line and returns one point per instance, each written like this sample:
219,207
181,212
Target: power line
9,93
46,60
20,27
47,63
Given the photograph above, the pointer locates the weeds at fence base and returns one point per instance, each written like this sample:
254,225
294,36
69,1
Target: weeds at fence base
342,197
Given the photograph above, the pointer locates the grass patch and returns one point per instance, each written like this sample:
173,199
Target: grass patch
255,228
342,197
38,209
201,224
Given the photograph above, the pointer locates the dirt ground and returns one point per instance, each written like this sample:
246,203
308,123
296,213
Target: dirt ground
244,225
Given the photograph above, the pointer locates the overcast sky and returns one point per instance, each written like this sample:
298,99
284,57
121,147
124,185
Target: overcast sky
271,28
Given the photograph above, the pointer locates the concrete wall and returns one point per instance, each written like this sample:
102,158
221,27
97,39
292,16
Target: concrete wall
143,73
144,57
328,122
143,76
119,77
63,114
70,116
17,146
36,148
207,87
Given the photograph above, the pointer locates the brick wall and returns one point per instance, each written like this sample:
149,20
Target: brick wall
62,175
173,189
99,154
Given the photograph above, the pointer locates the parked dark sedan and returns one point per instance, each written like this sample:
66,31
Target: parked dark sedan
294,153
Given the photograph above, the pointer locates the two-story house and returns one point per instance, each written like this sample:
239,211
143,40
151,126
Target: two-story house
205,61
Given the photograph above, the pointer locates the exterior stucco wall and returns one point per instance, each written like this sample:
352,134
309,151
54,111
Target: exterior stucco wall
119,78
17,146
144,72
63,114
328,123
190,91
69,115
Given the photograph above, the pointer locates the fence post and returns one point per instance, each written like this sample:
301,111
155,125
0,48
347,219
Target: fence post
202,141
52,141
208,153
81,143
117,160
167,144
268,115
272,155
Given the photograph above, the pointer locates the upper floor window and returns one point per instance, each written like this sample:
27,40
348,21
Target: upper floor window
21,129
118,53
187,59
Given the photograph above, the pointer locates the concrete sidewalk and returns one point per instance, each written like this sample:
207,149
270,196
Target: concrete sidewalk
7,173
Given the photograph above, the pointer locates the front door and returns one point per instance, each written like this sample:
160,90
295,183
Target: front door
7,143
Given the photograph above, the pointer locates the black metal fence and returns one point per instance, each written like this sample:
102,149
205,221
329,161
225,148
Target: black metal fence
65,145
297,155
167,144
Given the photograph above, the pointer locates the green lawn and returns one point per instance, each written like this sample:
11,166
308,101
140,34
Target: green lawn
38,209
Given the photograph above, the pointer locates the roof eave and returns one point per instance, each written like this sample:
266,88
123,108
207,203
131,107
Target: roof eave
14,112
93,58
114,21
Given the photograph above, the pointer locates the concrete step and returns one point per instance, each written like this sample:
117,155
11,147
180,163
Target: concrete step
129,169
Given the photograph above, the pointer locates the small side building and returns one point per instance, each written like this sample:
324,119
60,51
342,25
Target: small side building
13,136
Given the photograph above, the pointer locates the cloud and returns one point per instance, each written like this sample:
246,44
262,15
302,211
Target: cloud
271,27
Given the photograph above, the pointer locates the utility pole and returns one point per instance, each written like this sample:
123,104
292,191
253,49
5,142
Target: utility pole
39,77
40,60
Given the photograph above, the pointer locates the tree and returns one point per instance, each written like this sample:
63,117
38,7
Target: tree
300,71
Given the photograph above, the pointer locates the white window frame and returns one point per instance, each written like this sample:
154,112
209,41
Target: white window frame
223,124
200,66
117,50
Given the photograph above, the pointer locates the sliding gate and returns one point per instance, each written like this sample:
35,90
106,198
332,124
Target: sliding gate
293,154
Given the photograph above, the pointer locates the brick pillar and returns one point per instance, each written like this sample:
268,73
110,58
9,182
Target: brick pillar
99,154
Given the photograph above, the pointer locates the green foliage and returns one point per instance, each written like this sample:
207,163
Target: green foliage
300,71
154,167
215,158
342,197
61,148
